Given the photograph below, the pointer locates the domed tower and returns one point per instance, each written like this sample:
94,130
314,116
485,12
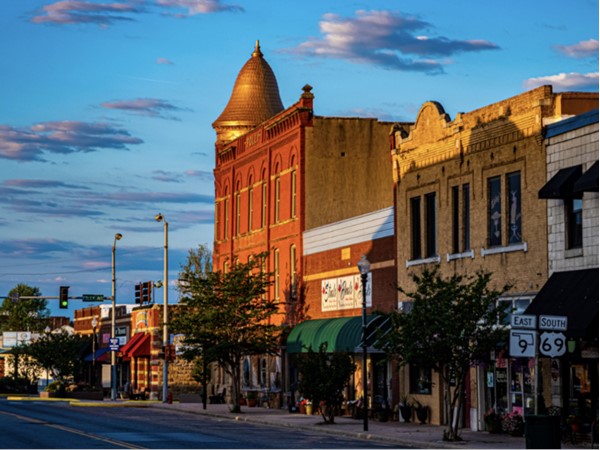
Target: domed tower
255,98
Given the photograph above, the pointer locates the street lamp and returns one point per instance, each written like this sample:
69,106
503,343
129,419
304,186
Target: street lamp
94,324
364,267
160,218
113,354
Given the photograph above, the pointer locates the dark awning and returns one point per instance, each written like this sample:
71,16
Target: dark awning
588,181
573,294
561,184
101,355
342,334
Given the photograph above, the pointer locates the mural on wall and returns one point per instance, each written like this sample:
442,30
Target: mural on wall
344,293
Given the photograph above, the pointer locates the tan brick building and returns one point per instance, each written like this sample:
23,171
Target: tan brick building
467,198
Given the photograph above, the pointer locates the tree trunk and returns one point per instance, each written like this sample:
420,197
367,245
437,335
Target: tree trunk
235,388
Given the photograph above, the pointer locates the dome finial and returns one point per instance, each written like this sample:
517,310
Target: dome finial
257,51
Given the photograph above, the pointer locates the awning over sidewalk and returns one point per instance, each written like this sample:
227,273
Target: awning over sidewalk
138,345
573,294
101,355
588,181
561,184
342,334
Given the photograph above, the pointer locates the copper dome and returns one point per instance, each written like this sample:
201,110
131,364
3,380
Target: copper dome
255,97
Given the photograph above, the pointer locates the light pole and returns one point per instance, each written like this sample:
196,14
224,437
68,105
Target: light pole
113,354
160,218
47,330
94,324
364,266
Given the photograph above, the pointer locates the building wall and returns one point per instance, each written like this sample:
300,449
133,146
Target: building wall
437,154
578,146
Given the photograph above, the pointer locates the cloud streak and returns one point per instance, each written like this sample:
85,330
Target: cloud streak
391,40
150,107
31,144
565,81
583,49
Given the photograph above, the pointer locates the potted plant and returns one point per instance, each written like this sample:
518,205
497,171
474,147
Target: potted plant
251,397
421,410
406,408
513,424
493,421
54,389
573,422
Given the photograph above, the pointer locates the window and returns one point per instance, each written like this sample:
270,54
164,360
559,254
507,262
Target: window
250,207
276,272
574,222
513,306
238,213
277,198
420,380
455,220
263,217
226,218
513,181
466,218
494,212
415,213
293,271
430,225
293,196
217,221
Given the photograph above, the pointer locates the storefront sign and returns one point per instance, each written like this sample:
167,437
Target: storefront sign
344,293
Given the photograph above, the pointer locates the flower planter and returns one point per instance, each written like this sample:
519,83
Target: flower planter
406,413
96,395
422,414
45,394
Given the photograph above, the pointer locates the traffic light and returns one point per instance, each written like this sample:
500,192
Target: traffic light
146,291
138,293
64,297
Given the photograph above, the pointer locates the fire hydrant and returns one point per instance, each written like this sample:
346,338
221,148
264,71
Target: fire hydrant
169,397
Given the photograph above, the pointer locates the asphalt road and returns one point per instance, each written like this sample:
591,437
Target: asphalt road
31,424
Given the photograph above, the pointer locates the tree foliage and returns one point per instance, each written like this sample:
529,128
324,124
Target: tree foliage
452,324
60,353
226,316
323,377
24,314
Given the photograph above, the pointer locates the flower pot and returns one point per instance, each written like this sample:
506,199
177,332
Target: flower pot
406,413
494,426
309,410
422,414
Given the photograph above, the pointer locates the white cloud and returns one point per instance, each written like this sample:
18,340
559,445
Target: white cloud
565,81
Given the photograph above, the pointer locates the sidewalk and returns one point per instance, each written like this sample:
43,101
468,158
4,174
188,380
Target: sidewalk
395,433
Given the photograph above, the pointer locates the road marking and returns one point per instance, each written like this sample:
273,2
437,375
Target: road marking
73,431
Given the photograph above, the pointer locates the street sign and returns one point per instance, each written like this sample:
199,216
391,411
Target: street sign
527,321
558,323
523,343
92,297
113,344
553,344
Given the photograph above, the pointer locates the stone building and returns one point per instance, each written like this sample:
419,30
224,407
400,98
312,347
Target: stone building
466,199
283,176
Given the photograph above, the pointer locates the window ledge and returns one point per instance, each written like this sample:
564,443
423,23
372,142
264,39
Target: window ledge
454,256
510,248
573,252
418,262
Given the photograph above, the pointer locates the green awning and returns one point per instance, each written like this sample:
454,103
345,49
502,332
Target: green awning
342,334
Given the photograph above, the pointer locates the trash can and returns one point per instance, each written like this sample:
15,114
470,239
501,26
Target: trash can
542,431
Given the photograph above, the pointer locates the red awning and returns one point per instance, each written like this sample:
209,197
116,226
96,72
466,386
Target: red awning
138,345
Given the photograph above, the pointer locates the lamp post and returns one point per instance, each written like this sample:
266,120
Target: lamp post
113,354
160,218
94,324
47,330
364,266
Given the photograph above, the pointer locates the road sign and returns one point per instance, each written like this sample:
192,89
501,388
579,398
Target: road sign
113,344
558,323
553,344
522,343
527,321
92,297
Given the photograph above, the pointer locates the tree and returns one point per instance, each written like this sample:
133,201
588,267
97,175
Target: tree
59,353
323,377
453,322
226,316
23,314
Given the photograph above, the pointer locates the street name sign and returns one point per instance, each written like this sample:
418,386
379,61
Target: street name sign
523,343
527,321
558,323
553,344
92,297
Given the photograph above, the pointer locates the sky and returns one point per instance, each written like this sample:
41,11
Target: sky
106,107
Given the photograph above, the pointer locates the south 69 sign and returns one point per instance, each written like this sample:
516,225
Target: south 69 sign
552,344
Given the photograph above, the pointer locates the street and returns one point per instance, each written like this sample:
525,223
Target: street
34,424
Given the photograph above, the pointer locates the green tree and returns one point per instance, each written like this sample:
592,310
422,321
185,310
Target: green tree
59,353
24,314
323,377
226,316
453,322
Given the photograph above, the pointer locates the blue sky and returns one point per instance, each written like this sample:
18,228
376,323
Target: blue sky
106,106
